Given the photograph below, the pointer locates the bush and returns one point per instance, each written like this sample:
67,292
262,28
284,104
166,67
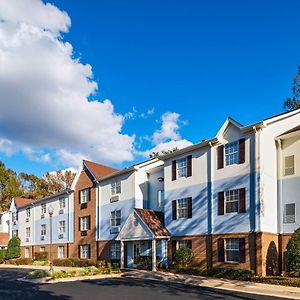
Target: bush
21,261
38,274
235,274
41,256
183,257
293,252
41,263
2,255
144,262
60,274
74,262
13,248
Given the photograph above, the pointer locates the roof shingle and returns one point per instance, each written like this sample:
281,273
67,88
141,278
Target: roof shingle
21,202
99,170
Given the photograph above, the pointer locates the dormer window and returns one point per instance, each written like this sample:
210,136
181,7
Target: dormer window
115,188
232,153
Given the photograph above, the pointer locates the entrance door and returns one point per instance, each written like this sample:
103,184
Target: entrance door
136,251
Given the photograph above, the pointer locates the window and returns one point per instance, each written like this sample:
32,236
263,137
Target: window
62,203
28,212
160,198
232,201
61,252
182,208
115,218
43,229
84,251
289,165
182,244
43,208
182,167
84,223
42,249
232,250
62,227
84,196
15,217
115,251
232,153
27,232
115,188
15,233
289,213
27,252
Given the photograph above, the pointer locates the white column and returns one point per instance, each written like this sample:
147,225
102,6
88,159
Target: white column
122,254
153,255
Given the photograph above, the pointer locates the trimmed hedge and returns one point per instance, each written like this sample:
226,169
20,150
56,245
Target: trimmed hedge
21,261
41,256
2,255
74,262
38,274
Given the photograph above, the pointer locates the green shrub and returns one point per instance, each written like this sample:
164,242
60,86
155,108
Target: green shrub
2,255
21,261
13,248
41,256
293,252
38,274
115,267
101,264
41,263
235,274
183,257
60,274
74,262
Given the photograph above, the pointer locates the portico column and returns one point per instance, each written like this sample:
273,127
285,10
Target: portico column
122,254
153,255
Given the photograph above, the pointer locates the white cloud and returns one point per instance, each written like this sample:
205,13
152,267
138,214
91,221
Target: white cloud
44,92
168,136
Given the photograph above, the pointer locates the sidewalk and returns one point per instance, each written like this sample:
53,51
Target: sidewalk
224,284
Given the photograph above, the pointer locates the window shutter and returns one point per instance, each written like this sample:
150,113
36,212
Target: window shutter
174,170
221,203
174,210
242,250
79,224
79,194
89,220
189,244
221,253
89,255
220,151
190,207
189,166
241,151
242,200
173,247
79,256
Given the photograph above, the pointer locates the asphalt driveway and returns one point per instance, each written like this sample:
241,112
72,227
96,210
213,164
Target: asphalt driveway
109,289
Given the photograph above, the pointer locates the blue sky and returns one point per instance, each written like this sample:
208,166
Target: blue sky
204,60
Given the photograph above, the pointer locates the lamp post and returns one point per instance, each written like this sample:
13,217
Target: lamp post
50,212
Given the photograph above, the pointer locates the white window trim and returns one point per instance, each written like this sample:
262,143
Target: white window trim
84,196
181,171
184,208
114,218
115,251
43,229
116,188
59,252
84,223
84,251
62,202
62,229
232,249
231,153
160,198
226,201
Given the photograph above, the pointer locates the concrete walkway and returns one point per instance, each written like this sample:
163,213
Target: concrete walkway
224,284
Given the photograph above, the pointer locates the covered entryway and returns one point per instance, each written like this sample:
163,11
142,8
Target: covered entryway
144,240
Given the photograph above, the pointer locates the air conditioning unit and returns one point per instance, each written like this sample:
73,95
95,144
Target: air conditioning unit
27,220
61,236
61,212
115,229
42,216
114,198
27,240
42,237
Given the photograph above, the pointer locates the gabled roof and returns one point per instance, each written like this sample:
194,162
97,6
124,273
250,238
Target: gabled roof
229,121
4,239
22,202
154,220
98,170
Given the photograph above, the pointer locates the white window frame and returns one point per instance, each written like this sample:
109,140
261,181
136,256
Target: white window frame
84,223
291,169
84,196
15,232
14,216
182,244
231,153
43,229
27,232
160,198
115,188
115,251
28,212
27,252
42,249
182,208
232,197
181,167
232,245
43,208
61,252
62,226
62,202
286,218
115,218
84,251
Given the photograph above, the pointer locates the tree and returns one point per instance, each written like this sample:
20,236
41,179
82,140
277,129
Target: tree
293,252
163,152
294,102
183,256
13,248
